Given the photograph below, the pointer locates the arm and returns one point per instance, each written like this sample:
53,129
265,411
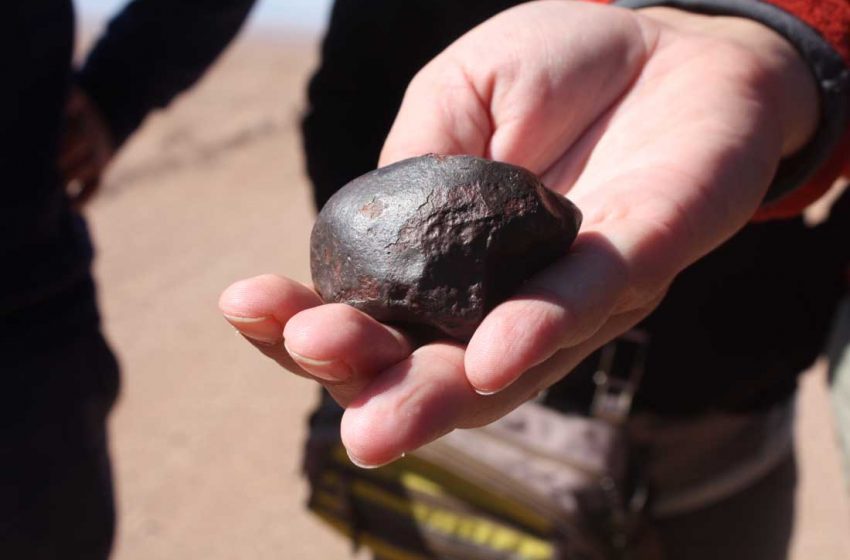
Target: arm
153,50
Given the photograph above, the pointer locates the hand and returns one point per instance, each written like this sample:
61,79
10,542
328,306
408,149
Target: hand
664,127
86,148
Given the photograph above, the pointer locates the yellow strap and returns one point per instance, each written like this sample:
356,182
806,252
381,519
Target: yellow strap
377,545
469,528
426,478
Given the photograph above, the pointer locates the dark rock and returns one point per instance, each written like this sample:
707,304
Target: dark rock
438,241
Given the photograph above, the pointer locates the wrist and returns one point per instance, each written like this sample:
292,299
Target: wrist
819,33
783,78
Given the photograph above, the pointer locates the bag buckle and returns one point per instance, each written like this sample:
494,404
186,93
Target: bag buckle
621,367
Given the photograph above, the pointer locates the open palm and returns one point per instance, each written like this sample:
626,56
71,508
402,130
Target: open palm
665,128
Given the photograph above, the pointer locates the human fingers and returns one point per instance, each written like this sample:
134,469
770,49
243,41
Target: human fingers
86,137
82,161
335,345
406,406
75,151
639,232
427,395
76,143
80,191
523,86
86,170
560,307
343,346
259,308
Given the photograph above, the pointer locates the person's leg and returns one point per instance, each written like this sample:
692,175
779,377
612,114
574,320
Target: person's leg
55,486
754,524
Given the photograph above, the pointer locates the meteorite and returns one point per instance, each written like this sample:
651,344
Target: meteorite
435,242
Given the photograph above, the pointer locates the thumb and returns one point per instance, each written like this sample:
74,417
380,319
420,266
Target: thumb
442,113
523,86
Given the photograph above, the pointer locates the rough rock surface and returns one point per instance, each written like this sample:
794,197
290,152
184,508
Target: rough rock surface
435,242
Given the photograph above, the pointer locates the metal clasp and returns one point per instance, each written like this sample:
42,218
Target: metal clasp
618,376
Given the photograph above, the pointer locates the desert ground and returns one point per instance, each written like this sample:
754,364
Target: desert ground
207,433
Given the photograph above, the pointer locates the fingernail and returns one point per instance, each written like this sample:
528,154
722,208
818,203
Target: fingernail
329,370
358,463
264,330
490,392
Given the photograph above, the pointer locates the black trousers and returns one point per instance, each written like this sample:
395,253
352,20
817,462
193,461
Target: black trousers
57,386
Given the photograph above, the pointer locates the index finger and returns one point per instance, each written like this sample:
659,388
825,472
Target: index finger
333,344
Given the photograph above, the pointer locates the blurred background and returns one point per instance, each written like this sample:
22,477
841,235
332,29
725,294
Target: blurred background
206,438
273,15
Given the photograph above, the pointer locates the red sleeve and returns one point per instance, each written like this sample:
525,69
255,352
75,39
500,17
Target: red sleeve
831,19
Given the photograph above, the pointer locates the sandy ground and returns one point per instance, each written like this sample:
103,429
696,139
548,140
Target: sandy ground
207,434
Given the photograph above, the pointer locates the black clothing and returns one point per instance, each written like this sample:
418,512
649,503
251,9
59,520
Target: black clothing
736,328
153,50
56,497
59,377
